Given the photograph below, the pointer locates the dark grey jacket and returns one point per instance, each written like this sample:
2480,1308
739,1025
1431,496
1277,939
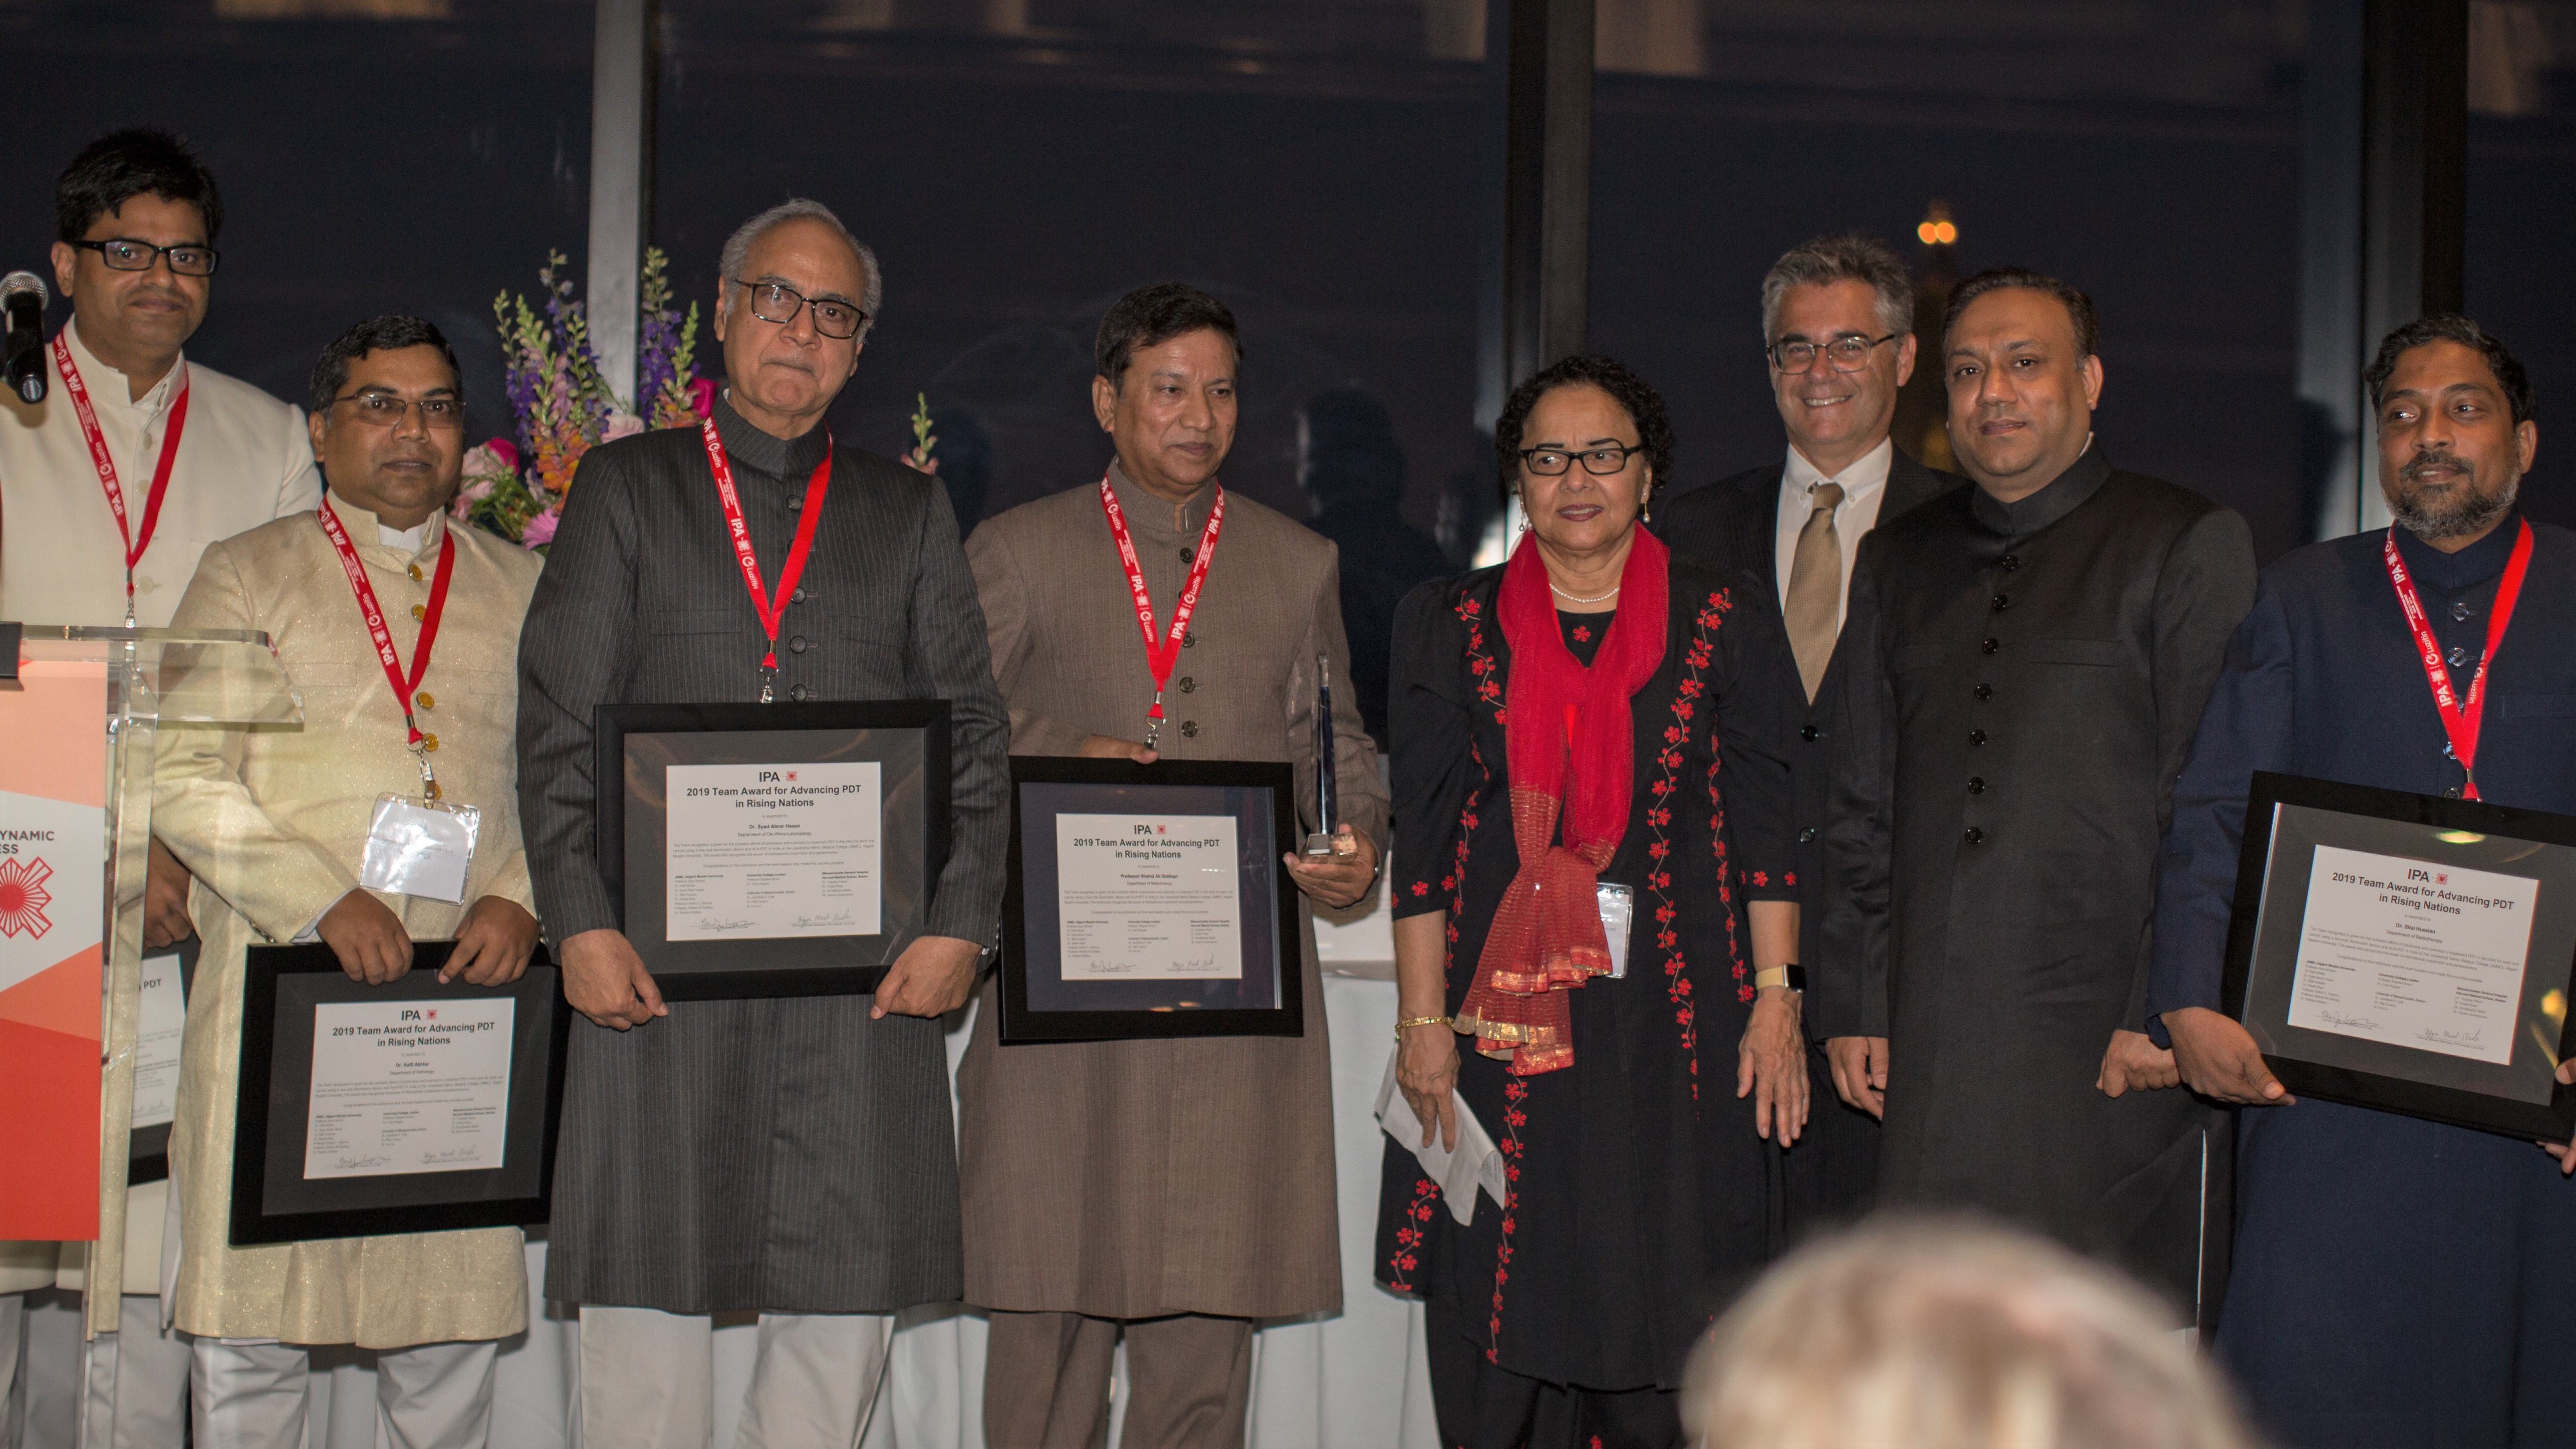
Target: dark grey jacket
1733,526
767,1154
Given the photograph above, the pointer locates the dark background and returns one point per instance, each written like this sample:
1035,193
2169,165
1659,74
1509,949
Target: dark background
1331,168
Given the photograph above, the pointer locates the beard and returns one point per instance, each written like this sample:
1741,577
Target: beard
2459,510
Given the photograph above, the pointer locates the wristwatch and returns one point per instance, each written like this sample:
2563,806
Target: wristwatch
1792,975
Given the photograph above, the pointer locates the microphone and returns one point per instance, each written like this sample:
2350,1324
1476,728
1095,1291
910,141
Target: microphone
22,358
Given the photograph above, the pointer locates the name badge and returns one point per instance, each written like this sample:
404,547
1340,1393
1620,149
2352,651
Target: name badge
1618,902
420,848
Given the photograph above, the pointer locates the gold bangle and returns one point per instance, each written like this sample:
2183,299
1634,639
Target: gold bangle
1414,1021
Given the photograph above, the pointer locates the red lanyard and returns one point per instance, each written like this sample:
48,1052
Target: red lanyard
2460,717
770,609
406,686
134,546
1160,657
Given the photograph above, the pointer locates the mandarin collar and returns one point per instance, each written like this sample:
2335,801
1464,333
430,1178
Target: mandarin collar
362,525
748,447
2475,564
1149,514
93,372
2061,496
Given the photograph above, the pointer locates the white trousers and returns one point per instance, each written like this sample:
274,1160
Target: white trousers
648,1379
250,1395
134,1391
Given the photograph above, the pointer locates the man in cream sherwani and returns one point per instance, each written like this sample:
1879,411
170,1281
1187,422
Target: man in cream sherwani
272,824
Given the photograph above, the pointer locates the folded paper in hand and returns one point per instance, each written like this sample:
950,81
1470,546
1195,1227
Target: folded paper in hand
1473,1163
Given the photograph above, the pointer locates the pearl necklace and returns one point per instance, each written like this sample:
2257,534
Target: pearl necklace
1579,599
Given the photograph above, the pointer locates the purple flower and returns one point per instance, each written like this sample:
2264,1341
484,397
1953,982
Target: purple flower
540,529
702,396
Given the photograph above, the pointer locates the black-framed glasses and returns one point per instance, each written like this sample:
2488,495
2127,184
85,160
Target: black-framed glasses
385,410
1599,462
1847,353
775,302
127,254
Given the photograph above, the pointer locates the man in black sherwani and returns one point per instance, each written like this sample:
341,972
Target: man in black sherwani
2027,661
1838,330
794,1156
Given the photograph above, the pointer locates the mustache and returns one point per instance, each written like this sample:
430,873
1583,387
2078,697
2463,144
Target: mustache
2416,467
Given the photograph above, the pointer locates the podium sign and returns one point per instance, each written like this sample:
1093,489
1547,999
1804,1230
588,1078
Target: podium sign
53,922
77,729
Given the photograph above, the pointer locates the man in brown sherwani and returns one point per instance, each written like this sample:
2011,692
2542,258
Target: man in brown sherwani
1176,1190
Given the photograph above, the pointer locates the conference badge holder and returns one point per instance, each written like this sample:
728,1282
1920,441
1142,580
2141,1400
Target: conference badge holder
420,848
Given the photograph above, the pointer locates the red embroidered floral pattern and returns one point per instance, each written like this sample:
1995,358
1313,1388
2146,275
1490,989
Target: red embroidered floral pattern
1710,618
1409,1238
1582,633
1515,1117
1687,695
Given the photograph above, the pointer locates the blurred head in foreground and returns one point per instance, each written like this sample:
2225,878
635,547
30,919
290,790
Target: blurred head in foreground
1914,1334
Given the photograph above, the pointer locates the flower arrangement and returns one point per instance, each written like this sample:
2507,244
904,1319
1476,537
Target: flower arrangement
563,407
923,439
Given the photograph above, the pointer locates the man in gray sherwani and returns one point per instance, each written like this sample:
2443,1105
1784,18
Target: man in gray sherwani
1168,1191
795,1157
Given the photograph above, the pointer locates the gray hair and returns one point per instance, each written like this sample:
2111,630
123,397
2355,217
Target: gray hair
1850,257
737,251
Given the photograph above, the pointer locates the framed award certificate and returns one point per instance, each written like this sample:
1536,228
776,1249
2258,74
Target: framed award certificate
412,1107
772,849
2407,952
1150,901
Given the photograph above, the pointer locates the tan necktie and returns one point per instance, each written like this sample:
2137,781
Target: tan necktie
1816,589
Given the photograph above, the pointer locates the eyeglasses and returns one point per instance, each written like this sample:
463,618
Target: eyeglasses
1848,352
1599,462
125,254
384,410
771,302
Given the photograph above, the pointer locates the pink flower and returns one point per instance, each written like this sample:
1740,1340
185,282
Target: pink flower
621,425
540,529
702,397
503,451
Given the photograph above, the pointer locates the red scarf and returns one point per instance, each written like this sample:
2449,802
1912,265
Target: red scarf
1561,717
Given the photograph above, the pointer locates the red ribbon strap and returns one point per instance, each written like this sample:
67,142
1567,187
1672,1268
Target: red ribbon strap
1162,655
2461,716
772,610
406,686
135,543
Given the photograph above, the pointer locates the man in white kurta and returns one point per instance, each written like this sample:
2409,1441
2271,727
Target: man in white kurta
242,459
273,824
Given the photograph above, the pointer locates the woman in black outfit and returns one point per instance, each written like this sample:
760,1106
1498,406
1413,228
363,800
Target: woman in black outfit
1588,715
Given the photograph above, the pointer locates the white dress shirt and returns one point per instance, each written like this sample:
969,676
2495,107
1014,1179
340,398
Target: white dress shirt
244,459
1864,486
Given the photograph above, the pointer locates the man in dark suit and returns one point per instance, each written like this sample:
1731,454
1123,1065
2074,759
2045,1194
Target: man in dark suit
2396,1281
2027,660
792,1156
1837,322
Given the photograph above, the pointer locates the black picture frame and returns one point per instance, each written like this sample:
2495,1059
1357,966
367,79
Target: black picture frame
273,1202
633,742
1268,999
2286,818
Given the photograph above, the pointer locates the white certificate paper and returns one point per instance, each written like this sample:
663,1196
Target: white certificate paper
1148,898
762,851
156,1042
408,1086
2413,953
